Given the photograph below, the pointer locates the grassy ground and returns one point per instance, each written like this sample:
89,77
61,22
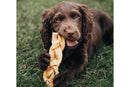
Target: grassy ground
99,72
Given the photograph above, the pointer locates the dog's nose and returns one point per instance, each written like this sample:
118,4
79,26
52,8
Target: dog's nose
70,32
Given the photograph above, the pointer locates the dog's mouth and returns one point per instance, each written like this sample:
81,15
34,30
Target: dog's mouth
71,43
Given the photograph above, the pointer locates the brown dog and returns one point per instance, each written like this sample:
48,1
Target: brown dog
83,30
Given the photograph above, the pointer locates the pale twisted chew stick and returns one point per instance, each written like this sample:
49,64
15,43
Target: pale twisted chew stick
58,44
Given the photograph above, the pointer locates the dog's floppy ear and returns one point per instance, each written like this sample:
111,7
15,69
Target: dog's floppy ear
87,22
46,31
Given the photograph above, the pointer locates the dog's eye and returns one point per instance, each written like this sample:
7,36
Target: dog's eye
58,19
75,15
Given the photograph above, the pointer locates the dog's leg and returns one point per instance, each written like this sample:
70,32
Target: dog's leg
43,60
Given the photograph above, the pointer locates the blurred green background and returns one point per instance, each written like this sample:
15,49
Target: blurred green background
99,72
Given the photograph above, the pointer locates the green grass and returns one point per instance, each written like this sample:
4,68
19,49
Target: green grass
99,72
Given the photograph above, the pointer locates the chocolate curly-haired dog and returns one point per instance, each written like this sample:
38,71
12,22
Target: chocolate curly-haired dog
83,30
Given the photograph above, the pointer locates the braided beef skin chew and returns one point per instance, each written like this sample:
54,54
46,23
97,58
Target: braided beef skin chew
55,52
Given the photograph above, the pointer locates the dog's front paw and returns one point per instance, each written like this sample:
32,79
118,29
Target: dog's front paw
43,61
59,81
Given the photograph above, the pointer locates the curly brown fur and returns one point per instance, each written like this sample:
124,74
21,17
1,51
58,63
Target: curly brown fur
83,30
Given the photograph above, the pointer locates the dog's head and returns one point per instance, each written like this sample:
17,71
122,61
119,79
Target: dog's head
72,21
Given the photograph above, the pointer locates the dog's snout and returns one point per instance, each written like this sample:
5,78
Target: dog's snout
70,32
